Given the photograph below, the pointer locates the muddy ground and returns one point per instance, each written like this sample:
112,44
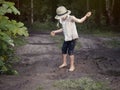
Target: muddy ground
41,57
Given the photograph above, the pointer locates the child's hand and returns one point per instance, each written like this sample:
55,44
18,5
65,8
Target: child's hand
88,14
52,33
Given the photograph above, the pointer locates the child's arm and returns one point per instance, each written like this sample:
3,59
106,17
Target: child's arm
56,31
82,19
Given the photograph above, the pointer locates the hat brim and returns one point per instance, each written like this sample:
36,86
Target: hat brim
58,17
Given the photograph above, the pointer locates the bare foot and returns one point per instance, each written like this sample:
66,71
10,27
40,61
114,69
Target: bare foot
72,69
63,65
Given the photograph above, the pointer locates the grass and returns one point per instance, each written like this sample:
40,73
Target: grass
43,27
103,31
40,88
85,28
113,43
83,83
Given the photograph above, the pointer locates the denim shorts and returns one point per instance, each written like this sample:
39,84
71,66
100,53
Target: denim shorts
68,47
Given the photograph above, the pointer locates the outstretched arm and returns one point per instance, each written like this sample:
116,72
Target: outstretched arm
82,19
56,31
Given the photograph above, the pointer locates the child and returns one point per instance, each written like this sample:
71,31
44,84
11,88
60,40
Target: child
70,33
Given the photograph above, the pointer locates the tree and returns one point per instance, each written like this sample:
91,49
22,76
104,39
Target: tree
87,4
109,8
32,17
116,12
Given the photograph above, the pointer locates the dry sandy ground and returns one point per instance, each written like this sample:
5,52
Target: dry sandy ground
41,57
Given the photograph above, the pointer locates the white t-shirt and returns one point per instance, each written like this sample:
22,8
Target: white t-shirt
69,28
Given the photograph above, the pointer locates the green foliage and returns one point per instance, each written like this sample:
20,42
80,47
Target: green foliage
46,9
10,31
40,88
83,83
43,27
8,7
113,43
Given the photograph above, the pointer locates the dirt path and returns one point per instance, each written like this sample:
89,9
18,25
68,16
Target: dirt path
41,57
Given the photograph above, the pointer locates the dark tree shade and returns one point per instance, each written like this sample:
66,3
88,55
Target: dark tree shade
45,10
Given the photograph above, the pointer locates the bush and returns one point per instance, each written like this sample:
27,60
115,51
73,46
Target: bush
10,30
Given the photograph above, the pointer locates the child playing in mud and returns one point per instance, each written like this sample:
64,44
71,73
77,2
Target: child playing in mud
70,33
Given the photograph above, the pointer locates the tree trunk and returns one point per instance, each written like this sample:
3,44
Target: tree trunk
87,4
113,3
97,12
32,17
116,12
18,4
109,12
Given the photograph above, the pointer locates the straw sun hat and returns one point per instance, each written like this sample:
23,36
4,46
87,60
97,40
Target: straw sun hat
61,12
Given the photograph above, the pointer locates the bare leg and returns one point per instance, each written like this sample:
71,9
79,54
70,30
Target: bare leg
64,56
72,66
